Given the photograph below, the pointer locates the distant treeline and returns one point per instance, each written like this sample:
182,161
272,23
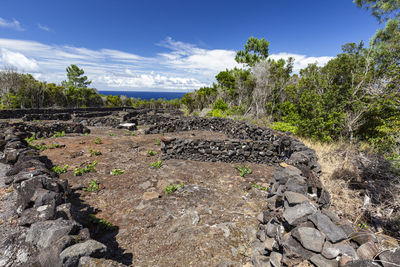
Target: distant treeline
19,90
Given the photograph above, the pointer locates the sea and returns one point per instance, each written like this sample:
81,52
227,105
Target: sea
146,95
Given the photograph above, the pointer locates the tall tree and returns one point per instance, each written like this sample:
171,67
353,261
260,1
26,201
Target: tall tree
254,51
76,77
383,10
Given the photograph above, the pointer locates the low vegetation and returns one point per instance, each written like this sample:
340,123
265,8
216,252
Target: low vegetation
257,186
243,170
93,186
94,152
98,141
106,225
172,188
156,165
59,170
59,134
87,169
116,172
151,153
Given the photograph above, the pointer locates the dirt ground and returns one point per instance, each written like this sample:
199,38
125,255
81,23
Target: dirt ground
209,222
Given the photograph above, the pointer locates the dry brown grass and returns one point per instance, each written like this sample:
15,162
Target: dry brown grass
346,202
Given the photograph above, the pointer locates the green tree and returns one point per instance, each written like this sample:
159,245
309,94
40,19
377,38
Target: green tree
76,77
254,51
383,10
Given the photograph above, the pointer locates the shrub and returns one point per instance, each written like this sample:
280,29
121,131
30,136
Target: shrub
94,152
284,127
156,165
117,172
172,188
88,168
243,170
59,170
93,186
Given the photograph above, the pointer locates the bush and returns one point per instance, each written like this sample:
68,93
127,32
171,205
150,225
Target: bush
284,127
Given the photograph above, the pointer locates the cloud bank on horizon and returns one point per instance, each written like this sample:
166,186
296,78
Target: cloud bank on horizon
182,67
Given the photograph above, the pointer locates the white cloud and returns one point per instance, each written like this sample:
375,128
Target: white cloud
181,67
14,24
301,61
43,27
18,60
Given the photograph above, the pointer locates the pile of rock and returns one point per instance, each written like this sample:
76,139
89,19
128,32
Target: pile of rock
108,121
297,229
37,228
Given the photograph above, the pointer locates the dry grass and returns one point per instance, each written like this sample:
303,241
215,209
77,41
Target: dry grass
346,202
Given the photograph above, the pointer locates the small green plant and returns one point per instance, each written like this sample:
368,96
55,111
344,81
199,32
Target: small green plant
172,188
243,170
363,225
257,186
94,152
111,134
151,153
98,141
102,223
88,168
85,134
156,165
157,142
59,134
58,169
117,172
31,139
93,186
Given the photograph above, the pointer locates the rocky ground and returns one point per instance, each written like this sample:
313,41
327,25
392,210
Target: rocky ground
210,221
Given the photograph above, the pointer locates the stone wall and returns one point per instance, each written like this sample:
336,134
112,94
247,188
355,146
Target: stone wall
45,129
296,227
38,228
58,116
20,113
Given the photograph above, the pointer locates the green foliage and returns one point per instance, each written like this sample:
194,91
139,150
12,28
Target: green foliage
98,141
116,172
76,77
219,109
382,9
59,134
87,169
172,188
238,110
111,134
94,152
254,51
156,165
102,223
257,186
157,141
93,186
59,170
243,170
284,127
151,153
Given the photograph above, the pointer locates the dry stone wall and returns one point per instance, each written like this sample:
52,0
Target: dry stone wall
296,227
38,228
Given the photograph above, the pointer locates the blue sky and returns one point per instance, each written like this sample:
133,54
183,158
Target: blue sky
173,45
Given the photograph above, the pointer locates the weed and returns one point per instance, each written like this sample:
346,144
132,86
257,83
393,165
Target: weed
151,153
363,225
117,172
93,186
57,169
111,134
94,152
156,165
88,168
157,142
85,134
101,222
172,188
259,187
243,170
59,134
98,141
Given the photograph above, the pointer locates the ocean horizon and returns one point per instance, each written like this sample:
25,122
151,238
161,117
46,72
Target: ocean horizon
146,94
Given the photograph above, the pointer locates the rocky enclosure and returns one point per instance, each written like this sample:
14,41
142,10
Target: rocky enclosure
276,216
